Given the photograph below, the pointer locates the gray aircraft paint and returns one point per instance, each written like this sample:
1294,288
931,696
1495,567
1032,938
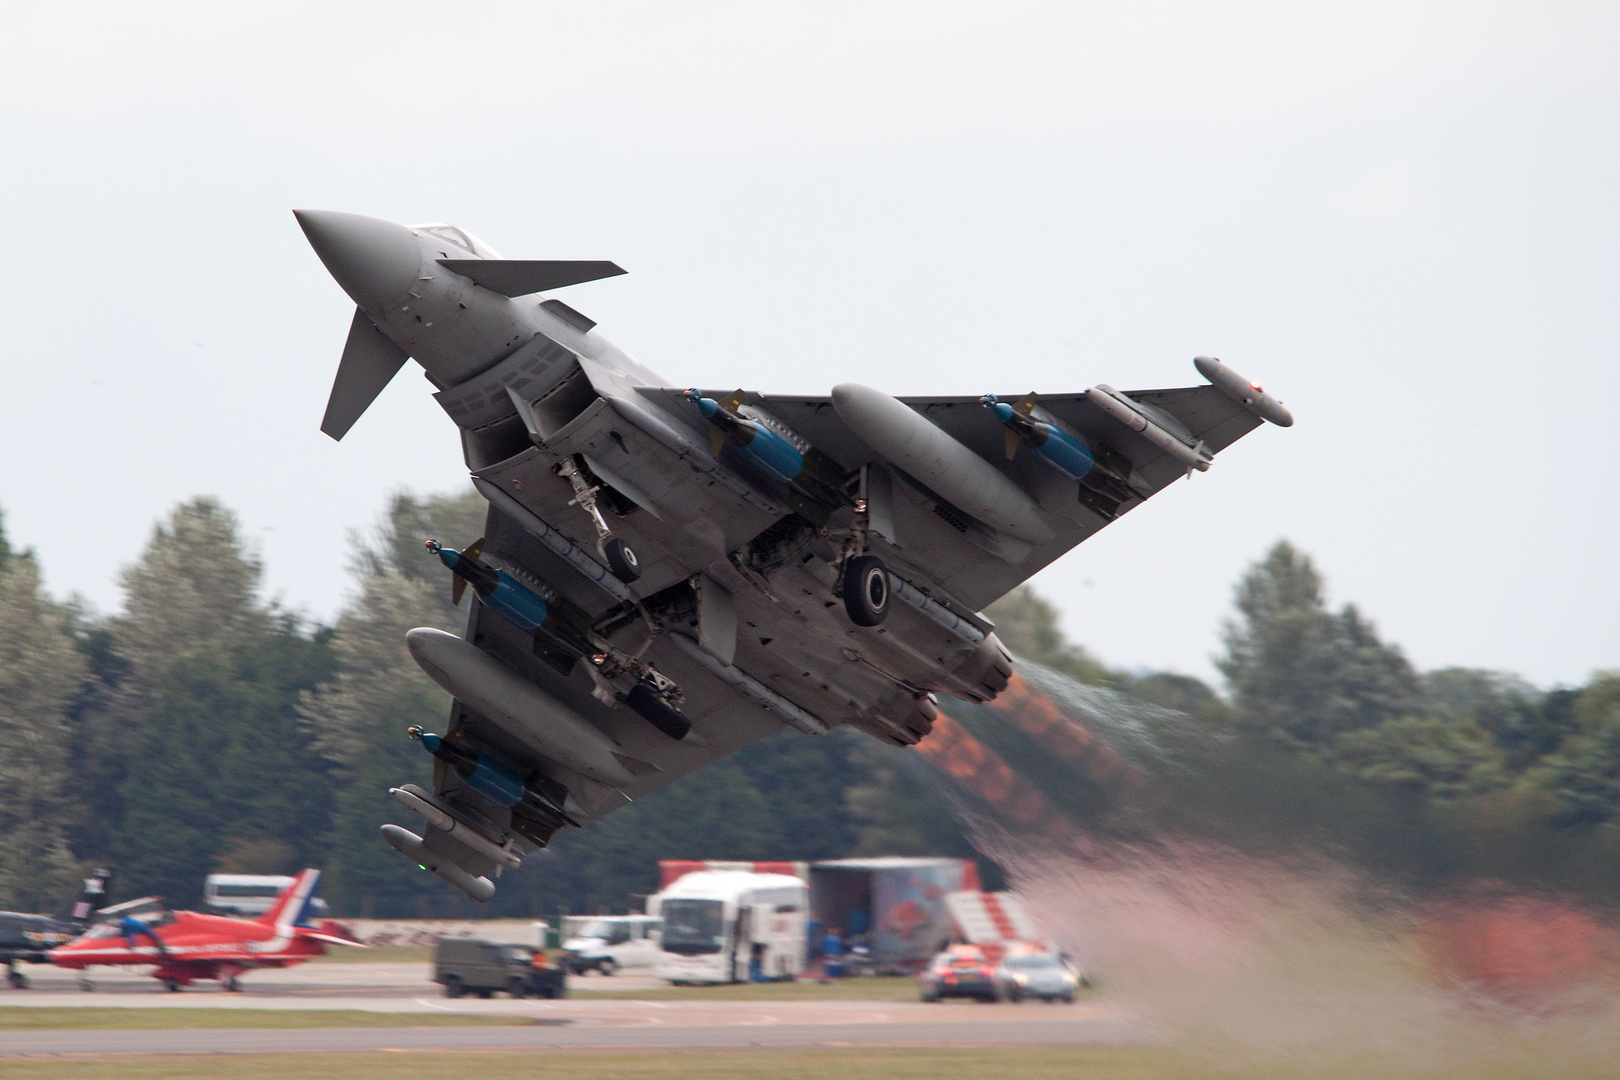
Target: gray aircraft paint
738,596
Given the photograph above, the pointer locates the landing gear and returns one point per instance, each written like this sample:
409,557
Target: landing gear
172,985
614,551
652,707
621,559
86,985
231,984
17,979
866,590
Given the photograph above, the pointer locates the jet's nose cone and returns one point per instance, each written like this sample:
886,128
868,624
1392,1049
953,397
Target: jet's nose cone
375,261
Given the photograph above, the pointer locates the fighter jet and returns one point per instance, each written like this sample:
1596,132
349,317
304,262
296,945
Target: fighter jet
669,573
29,938
184,946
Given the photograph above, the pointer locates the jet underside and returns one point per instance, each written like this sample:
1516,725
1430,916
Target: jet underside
808,562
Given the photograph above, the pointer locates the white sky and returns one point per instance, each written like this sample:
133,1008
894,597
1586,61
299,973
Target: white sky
1401,218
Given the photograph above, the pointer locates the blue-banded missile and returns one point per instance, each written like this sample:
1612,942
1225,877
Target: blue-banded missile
1241,390
500,786
410,845
924,450
1050,443
516,705
754,441
497,590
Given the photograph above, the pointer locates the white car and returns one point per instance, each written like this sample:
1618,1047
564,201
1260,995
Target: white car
1043,975
612,942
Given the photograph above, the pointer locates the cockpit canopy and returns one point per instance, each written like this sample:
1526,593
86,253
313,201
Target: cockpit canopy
461,238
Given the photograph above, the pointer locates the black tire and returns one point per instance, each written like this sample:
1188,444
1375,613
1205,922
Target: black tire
454,987
621,560
17,979
866,590
516,988
608,966
172,985
486,993
930,994
1068,998
650,705
86,985
232,985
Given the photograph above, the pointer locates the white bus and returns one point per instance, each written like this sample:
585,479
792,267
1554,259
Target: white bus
716,921
251,894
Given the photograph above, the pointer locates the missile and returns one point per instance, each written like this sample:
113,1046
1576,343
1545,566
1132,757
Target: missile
922,449
410,845
461,831
556,541
1051,444
1131,414
1245,393
494,782
774,455
497,590
531,715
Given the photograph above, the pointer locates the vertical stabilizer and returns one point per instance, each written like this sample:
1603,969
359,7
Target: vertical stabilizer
288,910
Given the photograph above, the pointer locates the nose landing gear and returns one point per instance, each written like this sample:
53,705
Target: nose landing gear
615,552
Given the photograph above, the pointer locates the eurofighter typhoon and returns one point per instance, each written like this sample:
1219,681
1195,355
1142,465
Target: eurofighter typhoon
668,574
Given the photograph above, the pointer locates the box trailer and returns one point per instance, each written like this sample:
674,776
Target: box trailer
890,912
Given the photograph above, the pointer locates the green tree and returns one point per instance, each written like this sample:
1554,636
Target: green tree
201,743
1439,757
40,673
1583,776
1304,674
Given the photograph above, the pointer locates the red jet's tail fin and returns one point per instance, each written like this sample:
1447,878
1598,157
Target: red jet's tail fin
289,907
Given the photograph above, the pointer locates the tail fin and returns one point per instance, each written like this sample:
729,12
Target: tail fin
92,896
288,910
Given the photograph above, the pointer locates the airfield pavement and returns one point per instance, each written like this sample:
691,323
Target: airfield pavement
575,1022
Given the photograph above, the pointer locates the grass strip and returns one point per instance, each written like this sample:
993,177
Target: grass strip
1089,1063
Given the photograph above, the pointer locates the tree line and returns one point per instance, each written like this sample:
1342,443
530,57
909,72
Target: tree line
203,728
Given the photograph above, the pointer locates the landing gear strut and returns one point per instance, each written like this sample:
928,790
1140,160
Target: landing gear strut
15,978
614,551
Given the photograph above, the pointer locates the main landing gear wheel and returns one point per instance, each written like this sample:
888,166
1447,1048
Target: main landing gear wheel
621,560
17,979
650,705
86,985
866,590
232,984
172,985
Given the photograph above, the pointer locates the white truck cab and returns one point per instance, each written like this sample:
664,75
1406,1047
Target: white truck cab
717,921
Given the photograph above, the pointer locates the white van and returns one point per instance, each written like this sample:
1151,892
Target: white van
607,943
251,894
715,921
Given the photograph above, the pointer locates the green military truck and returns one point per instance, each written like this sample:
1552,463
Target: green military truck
474,966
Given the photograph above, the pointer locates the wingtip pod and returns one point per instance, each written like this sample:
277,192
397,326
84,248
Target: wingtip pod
410,845
1241,390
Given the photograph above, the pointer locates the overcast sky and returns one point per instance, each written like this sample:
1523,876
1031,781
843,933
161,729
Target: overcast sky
1401,218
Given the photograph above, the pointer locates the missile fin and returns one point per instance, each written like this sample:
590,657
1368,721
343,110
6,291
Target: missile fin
717,438
1011,440
458,586
1026,406
370,360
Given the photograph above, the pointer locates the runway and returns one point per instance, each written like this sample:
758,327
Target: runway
576,1022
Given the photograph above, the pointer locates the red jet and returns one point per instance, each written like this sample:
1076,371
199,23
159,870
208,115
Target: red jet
187,945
